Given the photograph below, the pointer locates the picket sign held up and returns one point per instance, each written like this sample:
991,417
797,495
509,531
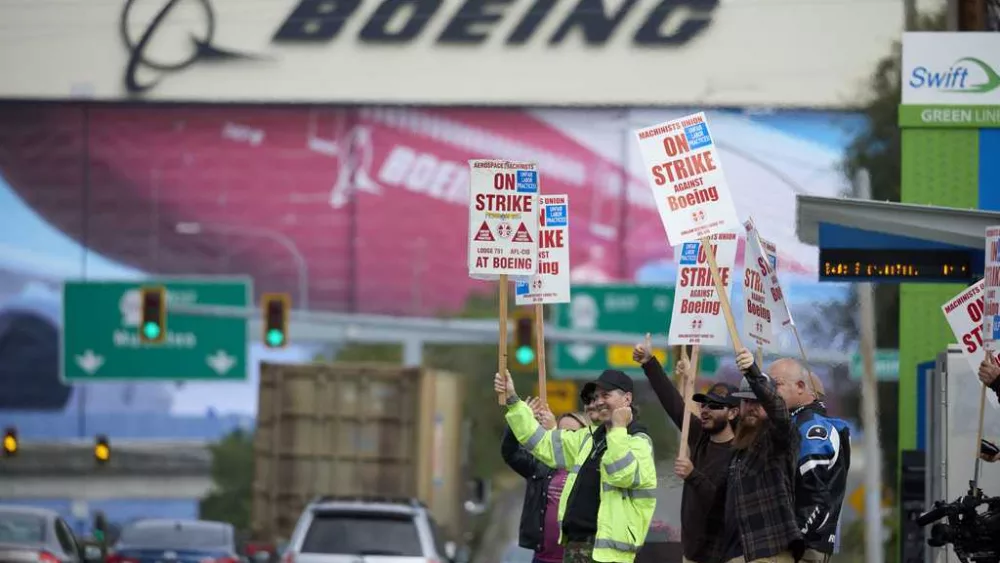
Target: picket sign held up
503,231
687,391
991,324
964,314
550,284
692,196
764,254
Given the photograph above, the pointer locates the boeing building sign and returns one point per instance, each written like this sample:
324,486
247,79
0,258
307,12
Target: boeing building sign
442,52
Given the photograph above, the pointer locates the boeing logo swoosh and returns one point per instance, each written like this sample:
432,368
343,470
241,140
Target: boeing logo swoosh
203,49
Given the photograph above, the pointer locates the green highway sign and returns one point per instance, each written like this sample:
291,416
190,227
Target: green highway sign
100,338
886,365
615,308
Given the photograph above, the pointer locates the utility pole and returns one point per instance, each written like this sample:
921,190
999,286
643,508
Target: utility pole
874,549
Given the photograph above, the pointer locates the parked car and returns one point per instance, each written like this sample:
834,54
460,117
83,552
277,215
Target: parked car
379,530
175,541
40,535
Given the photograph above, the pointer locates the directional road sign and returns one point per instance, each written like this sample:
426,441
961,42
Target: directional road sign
100,338
886,365
616,308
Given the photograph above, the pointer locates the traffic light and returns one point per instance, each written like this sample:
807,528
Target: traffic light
100,528
102,450
274,307
153,326
10,442
525,348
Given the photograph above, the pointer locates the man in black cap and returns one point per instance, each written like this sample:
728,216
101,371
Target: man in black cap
609,497
710,439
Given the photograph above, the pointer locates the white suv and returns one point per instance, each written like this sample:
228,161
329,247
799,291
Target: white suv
366,530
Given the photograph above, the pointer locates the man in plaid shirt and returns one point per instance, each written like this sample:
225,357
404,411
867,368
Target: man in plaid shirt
760,521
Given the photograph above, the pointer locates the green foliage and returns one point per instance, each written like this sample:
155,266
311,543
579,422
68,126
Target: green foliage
232,477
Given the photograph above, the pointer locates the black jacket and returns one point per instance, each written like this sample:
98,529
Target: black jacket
537,477
821,474
703,501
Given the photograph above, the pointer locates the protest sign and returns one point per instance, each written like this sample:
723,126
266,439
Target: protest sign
550,284
686,177
503,219
965,317
757,314
698,316
991,289
768,269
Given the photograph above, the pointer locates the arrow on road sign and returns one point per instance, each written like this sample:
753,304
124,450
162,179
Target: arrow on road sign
581,352
90,362
221,362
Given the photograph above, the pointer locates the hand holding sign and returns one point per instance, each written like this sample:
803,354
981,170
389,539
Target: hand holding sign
744,359
504,385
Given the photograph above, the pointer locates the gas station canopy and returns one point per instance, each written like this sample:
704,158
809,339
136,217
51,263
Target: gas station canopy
943,225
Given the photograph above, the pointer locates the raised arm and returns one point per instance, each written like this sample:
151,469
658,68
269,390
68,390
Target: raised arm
670,398
555,448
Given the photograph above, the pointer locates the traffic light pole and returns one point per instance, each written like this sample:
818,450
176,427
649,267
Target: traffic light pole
414,332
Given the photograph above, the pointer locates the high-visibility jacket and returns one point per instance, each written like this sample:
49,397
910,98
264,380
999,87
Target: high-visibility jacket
628,478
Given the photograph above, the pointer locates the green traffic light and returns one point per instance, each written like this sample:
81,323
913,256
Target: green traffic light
525,355
151,330
275,337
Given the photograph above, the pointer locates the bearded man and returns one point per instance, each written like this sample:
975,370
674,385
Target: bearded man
710,439
760,522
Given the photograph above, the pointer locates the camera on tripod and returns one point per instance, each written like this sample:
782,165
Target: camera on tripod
974,534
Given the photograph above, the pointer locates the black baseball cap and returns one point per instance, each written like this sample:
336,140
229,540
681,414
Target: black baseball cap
609,380
721,393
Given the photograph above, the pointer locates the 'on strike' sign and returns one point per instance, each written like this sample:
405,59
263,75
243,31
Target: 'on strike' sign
550,284
688,185
697,317
503,218
965,314
757,312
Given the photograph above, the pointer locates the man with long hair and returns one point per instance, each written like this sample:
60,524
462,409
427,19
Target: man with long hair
760,522
710,441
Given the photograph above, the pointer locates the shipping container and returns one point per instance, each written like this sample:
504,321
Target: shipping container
356,429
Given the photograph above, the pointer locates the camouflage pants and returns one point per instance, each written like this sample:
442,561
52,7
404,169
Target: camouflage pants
578,552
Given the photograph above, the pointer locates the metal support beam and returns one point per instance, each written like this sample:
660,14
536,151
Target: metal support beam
415,332
961,227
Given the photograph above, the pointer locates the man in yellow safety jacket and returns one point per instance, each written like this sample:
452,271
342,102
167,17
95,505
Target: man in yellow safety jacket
609,497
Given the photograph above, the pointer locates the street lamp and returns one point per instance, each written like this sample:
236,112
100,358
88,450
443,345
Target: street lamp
192,228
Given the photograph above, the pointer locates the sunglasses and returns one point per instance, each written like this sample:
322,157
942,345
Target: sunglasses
715,406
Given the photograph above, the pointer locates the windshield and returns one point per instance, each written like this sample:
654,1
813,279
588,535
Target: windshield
21,528
175,536
356,533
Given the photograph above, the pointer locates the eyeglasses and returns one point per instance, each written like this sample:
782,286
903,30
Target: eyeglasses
715,406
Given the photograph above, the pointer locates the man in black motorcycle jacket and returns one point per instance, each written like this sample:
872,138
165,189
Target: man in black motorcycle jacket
823,460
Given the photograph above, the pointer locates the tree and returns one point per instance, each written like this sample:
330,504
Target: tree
232,477
877,150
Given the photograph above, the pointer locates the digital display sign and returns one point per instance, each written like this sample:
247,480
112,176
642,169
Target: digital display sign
910,265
